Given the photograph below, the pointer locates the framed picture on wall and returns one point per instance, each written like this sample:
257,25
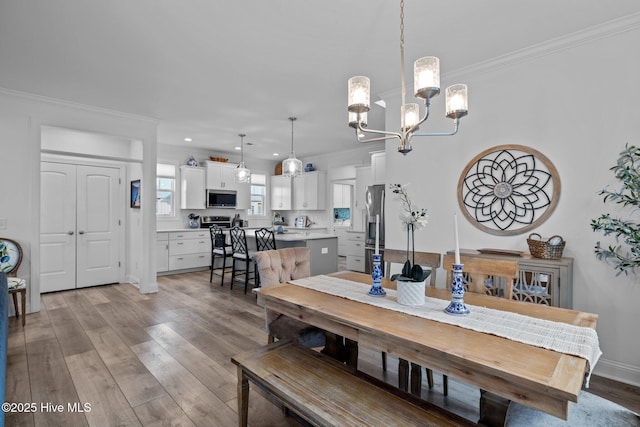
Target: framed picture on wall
135,194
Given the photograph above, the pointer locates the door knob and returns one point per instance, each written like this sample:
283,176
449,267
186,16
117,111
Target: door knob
70,233
81,232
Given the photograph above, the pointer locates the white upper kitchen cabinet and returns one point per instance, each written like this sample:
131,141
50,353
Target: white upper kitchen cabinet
378,167
310,191
192,190
281,193
221,176
341,196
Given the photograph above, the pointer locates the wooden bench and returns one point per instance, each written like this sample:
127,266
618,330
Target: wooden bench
324,392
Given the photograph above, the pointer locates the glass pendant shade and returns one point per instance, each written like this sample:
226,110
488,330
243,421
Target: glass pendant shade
359,94
291,167
353,119
426,77
242,173
457,101
411,114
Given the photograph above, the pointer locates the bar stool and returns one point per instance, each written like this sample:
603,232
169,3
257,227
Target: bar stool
265,241
220,248
241,253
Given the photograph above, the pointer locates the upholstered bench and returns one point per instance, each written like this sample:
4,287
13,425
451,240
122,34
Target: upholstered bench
591,411
324,392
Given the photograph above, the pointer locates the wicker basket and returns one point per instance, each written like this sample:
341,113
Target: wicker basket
547,249
219,159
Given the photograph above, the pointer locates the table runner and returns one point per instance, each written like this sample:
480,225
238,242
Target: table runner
561,337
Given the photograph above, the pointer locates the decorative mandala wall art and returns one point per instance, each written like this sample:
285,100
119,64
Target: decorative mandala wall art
508,190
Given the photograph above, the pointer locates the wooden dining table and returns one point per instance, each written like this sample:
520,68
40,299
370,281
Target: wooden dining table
503,369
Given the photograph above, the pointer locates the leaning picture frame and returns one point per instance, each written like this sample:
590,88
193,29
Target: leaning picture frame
135,194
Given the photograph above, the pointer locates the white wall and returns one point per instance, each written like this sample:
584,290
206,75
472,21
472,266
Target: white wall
575,104
22,118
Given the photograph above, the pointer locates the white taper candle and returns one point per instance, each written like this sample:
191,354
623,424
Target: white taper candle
455,224
377,234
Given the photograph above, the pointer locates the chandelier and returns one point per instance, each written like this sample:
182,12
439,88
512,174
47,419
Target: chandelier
426,84
242,173
292,167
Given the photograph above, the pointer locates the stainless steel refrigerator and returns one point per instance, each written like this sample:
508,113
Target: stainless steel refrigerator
374,202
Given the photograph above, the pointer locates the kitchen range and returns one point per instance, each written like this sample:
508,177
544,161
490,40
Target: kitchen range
220,221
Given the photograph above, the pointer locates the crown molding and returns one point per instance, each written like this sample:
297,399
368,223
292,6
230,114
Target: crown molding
565,42
70,104
548,47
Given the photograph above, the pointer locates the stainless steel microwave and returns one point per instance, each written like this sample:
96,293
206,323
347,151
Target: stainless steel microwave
221,199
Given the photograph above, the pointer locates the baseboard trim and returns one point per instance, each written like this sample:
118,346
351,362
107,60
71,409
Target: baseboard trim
134,280
617,371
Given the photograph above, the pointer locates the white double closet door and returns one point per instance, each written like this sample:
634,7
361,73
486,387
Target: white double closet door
79,226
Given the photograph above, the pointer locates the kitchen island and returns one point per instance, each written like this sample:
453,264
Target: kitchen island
324,247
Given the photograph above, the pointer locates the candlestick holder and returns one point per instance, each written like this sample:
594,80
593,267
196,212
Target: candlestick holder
457,306
376,274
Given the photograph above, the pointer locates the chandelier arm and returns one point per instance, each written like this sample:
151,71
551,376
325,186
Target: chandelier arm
380,138
424,119
456,126
390,135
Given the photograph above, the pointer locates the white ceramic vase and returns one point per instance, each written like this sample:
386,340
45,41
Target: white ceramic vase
411,293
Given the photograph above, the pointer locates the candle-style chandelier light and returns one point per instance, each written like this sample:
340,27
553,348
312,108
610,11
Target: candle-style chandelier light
426,84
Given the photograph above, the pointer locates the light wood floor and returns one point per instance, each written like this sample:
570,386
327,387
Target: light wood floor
164,359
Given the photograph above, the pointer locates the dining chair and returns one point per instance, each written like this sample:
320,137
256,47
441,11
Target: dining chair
485,275
280,266
488,276
220,248
10,256
241,253
10,260
424,259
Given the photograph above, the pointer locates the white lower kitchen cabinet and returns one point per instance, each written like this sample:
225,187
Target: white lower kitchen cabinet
355,251
162,252
342,240
188,249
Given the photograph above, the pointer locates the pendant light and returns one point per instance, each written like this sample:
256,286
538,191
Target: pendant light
292,167
426,84
243,174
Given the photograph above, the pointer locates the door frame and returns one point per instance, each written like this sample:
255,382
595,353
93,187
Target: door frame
122,190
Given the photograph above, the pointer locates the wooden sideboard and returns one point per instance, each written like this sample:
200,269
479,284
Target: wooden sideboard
540,281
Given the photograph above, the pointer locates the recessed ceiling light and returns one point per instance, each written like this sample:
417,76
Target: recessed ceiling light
276,154
188,139
236,148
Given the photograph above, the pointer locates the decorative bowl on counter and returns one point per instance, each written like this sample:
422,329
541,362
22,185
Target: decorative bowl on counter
219,159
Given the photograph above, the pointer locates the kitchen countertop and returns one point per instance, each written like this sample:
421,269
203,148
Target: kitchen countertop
290,235
303,234
181,230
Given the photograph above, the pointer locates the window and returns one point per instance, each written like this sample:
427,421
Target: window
258,194
165,190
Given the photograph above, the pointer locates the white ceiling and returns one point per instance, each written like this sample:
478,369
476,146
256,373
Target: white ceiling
210,69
